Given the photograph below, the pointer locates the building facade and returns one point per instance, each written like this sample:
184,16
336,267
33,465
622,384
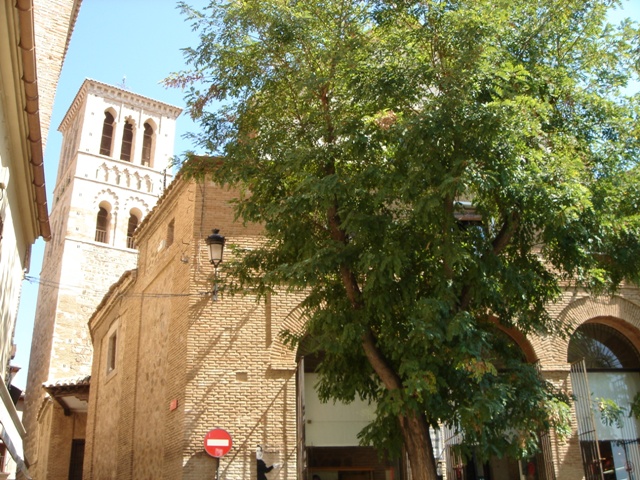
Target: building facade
34,35
171,364
114,163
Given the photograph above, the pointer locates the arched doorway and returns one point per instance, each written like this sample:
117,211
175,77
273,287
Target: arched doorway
605,375
510,348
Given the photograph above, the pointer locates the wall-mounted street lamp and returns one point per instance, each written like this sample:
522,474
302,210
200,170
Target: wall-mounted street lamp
215,244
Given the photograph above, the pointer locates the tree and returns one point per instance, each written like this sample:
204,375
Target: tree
431,174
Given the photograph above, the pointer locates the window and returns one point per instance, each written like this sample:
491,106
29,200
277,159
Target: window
112,350
106,142
3,456
603,348
131,228
170,232
127,142
605,371
102,226
147,145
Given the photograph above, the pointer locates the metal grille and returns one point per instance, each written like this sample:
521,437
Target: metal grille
628,439
101,236
301,444
545,458
547,469
586,424
455,463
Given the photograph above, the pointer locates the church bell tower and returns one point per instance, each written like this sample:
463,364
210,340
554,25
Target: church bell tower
114,164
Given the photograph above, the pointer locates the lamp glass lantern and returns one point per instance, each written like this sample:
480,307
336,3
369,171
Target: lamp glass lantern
215,244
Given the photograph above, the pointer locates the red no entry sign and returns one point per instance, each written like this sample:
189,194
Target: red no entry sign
217,442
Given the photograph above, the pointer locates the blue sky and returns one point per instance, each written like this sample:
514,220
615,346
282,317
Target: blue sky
139,40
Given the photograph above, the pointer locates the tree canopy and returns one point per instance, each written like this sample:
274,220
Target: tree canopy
431,174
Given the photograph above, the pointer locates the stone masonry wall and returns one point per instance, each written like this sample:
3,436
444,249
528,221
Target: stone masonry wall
54,21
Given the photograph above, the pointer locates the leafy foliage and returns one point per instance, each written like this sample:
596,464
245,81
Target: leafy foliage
610,412
430,174
634,408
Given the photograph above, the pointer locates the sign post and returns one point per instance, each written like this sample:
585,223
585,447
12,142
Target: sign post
217,443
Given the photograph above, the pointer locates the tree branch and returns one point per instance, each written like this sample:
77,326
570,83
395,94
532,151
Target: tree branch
379,363
505,234
377,360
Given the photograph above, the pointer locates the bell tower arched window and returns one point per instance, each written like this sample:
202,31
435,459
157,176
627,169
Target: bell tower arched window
102,225
131,227
148,145
127,142
106,141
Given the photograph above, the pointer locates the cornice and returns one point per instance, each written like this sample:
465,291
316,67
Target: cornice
116,94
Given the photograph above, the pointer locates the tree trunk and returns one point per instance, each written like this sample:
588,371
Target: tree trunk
415,430
417,441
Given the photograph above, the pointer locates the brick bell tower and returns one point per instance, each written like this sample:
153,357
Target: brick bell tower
114,165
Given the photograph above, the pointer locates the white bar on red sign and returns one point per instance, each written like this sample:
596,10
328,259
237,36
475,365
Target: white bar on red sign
217,442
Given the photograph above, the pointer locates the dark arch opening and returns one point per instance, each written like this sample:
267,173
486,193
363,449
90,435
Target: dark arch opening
106,141
603,348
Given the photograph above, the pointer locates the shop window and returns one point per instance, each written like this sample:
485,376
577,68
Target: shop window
127,142
605,373
148,145
106,141
102,225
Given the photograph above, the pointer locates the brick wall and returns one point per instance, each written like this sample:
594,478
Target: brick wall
211,360
223,365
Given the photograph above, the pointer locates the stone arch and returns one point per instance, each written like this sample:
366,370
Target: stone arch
129,132
117,175
616,311
137,179
137,203
104,222
106,195
521,340
282,356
